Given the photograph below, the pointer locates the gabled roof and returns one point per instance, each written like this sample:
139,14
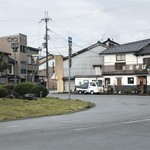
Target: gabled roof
42,60
86,49
132,47
110,43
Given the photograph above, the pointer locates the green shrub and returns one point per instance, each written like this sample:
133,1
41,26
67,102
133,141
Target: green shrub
3,92
24,88
9,87
38,89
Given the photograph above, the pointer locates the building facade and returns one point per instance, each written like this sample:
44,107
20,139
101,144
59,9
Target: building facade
55,72
25,58
86,65
126,67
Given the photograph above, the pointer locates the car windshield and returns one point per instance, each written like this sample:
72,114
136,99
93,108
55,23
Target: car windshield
98,84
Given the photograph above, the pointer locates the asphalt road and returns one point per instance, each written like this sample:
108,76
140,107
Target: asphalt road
116,123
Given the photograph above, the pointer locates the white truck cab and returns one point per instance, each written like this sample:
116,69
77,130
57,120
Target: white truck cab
90,87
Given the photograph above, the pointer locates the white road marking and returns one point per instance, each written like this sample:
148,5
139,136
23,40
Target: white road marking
13,126
119,123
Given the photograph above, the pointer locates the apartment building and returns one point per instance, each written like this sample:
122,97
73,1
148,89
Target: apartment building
22,62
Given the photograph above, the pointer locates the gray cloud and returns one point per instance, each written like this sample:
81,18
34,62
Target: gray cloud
85,20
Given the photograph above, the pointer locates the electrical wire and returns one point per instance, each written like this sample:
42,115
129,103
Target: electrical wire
55,46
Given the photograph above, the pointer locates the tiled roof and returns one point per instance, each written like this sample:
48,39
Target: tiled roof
132,47
144,51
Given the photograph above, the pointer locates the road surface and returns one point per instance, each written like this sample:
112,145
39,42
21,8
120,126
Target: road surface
116,123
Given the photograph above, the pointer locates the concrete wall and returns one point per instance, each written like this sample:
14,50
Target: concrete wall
59,72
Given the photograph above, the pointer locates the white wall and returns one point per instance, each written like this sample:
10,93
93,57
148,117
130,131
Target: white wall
113,79
111,59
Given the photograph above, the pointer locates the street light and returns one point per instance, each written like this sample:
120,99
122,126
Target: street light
15,47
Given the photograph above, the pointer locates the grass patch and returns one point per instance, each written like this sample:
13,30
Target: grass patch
12,109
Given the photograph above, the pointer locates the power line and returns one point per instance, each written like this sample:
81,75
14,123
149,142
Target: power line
107,10
55,47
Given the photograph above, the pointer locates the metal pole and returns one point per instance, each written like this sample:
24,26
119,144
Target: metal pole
15,82
32,70
69,83
46,38
70,63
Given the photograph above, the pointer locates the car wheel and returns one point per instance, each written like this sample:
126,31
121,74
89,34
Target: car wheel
92,92
80,92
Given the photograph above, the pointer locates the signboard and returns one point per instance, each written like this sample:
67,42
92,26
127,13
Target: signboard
70,41
14,46
135,67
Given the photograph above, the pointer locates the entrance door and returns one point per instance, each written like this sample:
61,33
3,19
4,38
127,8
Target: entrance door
119,84
142,84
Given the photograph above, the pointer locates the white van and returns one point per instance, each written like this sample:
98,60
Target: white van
90,87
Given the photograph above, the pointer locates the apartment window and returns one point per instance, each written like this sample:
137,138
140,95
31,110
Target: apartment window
130,80
10,69
23,71
120,57
23,48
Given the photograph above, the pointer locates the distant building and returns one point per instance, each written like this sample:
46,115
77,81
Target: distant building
55,72
26,59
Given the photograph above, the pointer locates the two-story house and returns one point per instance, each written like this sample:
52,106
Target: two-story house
126,67
24,58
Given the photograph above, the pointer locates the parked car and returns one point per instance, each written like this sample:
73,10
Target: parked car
89,87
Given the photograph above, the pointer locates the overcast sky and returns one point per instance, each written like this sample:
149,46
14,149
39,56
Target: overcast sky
86,21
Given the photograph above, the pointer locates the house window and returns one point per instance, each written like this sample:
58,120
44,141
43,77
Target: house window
107,81
97,70
120,57
100,81
130,80
23,71
146,61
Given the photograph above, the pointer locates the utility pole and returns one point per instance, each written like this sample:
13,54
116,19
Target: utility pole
70,64
46,19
